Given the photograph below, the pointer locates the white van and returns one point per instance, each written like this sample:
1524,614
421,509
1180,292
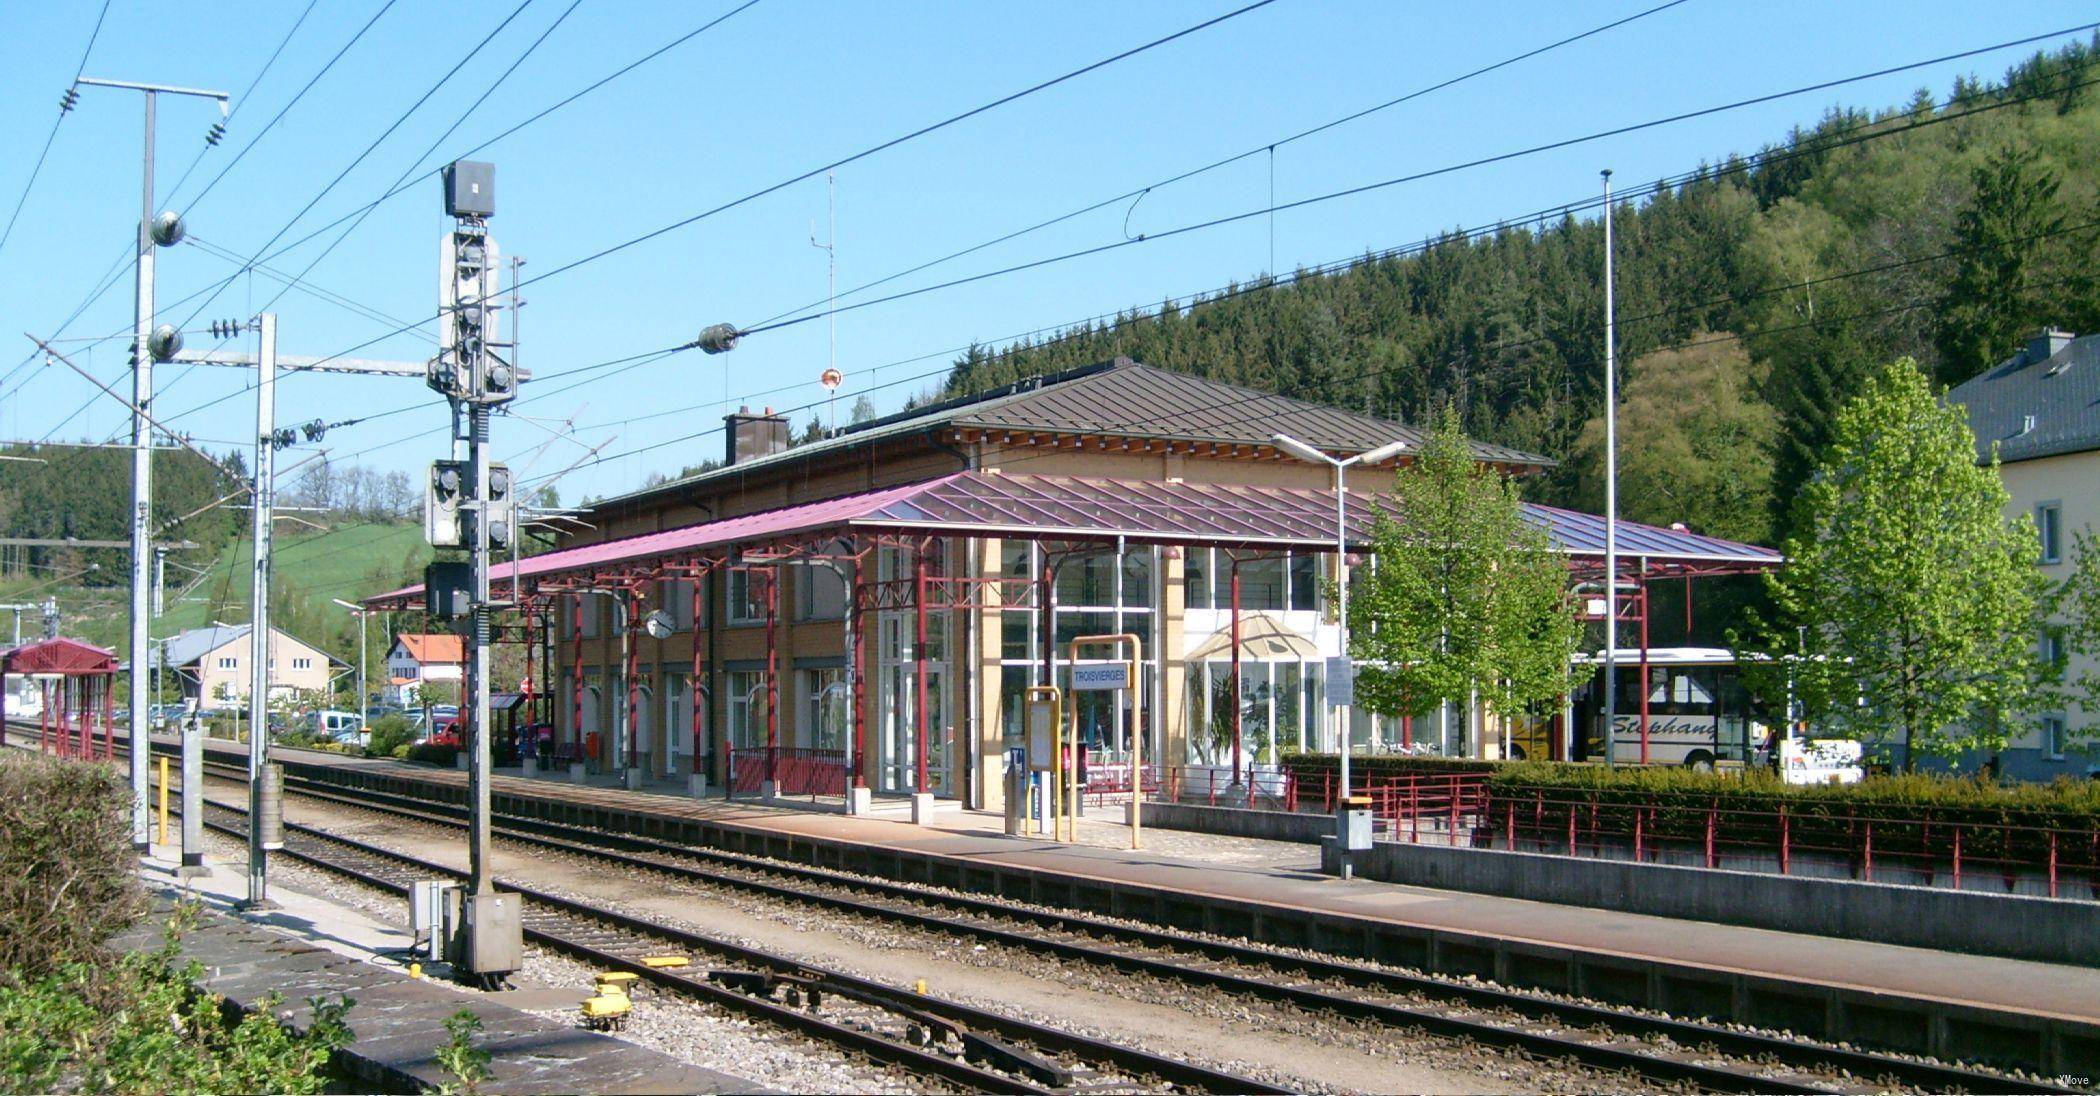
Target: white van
341,726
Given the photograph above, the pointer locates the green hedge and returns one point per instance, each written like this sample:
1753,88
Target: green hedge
68,878
1911,815
445,756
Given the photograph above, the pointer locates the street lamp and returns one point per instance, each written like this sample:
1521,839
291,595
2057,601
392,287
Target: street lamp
360,612
1341,466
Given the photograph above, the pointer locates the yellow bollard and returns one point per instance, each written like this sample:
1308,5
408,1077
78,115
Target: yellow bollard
163,800
919,987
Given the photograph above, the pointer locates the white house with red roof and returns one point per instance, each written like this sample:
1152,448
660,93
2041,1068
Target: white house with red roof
416,659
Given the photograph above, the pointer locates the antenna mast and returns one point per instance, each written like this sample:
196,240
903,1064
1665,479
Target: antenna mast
831,280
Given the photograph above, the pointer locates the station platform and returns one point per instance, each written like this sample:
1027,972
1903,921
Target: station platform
311,946
1929,1000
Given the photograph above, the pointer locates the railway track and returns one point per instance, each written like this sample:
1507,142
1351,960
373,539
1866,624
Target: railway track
966,1047
1658,1049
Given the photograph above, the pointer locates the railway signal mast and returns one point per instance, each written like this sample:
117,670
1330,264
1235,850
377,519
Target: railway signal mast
471,504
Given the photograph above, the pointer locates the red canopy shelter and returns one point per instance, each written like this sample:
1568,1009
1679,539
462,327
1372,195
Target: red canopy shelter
75,682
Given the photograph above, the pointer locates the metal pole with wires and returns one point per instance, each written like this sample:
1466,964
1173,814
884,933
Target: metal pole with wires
1611,499
162,231
264,827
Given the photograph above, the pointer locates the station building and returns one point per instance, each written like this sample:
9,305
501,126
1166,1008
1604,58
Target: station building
869,609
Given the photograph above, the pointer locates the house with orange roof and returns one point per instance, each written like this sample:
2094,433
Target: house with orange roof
418,659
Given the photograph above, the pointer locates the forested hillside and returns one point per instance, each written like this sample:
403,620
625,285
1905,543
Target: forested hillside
1753,296
61,492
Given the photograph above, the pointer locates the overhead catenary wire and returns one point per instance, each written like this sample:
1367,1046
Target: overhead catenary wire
862,154
1811,148
401,188
65,108
1015,460
1411,177
399,120
311,81
1269,147
240,101
290,281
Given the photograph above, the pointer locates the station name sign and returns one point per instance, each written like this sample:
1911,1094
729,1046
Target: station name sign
1100,677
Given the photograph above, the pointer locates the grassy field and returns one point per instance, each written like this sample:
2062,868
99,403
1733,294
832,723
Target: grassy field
311,567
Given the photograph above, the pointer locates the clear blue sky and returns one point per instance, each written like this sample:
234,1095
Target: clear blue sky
791,84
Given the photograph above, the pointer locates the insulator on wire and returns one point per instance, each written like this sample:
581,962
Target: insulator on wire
216,134
67,101
314,430
718,338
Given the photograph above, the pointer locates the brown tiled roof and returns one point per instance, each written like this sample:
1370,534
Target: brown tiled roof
1122,398
1131,399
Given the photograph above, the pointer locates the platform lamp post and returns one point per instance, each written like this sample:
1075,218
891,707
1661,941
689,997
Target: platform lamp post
1341,672
360,612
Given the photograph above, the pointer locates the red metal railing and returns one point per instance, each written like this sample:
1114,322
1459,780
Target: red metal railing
1883,845
796,770
1111,780
1917,848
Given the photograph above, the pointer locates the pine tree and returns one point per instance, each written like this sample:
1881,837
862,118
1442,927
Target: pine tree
2008,273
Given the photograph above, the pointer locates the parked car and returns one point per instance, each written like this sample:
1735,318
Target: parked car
338,725
444,731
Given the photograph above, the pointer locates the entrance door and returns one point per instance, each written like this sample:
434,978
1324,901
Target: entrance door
897,745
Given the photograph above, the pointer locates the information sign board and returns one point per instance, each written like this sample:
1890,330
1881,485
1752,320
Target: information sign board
1101,676
1341,682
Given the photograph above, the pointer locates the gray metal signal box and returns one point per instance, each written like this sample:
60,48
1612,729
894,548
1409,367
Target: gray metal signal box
470,189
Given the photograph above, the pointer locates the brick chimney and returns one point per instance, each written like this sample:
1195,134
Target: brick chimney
748,437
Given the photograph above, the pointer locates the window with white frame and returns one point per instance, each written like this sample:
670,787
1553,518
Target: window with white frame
1087,604
1270,581
2053,734
820,592
228,662
302,664
747,603
2048,525
825,707
747,709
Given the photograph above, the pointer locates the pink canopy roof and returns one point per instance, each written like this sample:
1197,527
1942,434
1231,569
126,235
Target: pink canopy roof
991,504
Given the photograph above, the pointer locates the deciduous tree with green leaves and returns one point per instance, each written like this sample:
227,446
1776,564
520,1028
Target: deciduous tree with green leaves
1467,594
1920,599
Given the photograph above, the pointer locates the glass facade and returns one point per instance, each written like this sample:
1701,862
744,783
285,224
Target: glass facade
1093,597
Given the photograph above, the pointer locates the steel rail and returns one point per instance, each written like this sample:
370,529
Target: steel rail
1691,1034
1139,1063
1931,1076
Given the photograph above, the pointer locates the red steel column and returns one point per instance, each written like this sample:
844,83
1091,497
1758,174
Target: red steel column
861,611
109,722
576,672
918,668
692,686
634,683
529,702
1238,703
772,584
